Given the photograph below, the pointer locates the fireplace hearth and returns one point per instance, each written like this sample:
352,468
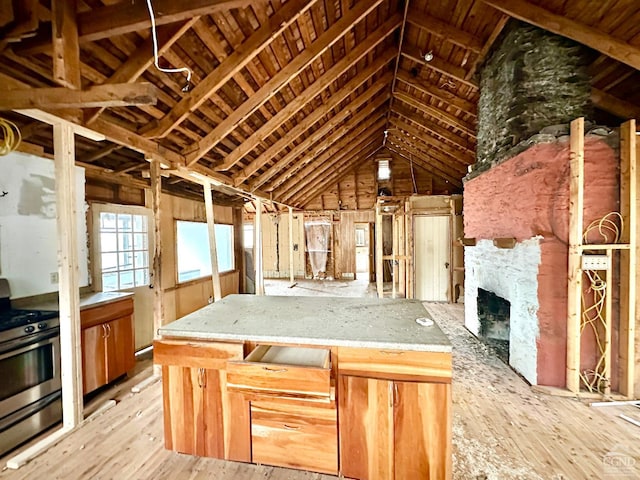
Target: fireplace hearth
493,317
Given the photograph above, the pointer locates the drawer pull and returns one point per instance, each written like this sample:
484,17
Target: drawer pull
275,370
289,427
396,352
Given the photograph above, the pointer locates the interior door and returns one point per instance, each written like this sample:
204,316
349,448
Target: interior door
431,258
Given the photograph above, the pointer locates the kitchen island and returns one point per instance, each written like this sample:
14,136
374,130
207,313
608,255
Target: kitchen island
336,385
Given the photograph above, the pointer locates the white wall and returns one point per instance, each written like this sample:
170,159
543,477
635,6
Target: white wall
28,230
513,275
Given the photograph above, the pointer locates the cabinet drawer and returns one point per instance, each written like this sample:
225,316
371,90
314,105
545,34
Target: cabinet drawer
395,364
283,371
196,354
295,436
103,313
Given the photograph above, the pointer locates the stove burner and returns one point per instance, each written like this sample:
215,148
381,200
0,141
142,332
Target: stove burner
18,318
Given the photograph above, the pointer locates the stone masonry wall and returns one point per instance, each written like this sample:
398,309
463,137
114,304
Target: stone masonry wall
532,80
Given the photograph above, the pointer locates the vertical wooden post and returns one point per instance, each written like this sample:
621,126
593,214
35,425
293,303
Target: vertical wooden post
608,323
574,300
629,151
379,252
394,255
291,270
409,249
213,249
402,247
158,304
65,44
68,268
257,245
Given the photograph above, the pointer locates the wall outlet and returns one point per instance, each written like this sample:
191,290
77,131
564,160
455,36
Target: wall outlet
53,277
595,262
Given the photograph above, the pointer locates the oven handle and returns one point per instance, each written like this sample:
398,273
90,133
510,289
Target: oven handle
24,344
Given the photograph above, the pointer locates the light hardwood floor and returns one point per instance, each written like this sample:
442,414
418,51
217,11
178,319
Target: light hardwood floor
502,430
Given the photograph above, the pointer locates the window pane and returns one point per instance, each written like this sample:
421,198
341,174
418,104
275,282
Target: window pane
107,221
141,259
247,235
109,262
125,260
109,282
108,242
194,256
125,241
142,277
125,224
139,223
224,247
126,279
140,241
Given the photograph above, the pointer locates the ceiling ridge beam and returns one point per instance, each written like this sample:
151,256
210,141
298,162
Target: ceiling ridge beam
565,27
436,114
313,137
318,166
444,30
229,67
284,76
320,84
323,133
468,107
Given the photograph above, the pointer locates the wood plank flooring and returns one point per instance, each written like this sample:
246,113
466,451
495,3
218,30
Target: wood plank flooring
502,430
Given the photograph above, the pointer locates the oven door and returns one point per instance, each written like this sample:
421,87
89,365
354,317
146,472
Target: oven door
29,370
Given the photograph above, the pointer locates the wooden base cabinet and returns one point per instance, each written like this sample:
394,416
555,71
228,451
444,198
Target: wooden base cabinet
394,429
200,418
107,343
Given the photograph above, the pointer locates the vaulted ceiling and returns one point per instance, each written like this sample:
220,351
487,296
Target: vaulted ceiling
284,98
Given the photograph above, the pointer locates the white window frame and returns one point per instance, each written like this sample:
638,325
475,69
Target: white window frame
96,210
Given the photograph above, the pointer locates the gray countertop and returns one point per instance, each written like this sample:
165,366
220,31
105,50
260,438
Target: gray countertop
331,321
87,300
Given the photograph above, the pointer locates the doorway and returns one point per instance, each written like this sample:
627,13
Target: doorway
432,258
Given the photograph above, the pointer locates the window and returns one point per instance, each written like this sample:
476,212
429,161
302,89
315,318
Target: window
384,170
247,235
360,237
124,250
194,255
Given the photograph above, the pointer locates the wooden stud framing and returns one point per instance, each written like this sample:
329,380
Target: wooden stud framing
213,249
158,301
608,323
257,246
68,268
291,255
574,300
379,252
629,151
66,49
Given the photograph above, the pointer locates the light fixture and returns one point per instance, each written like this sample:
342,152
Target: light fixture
428,56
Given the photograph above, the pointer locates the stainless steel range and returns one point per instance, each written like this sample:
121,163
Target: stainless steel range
30,386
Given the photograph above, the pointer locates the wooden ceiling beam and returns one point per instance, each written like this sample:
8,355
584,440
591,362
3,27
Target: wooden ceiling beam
448,135
497,30
399,141
64,39
127,17
229,67
466,106
609,103
444,30
284,76
564,26
426,163
320,134
397,155
321,84
366,133
426,138
313,188
323,134
437,114
99,153
457,73
140,60
112,95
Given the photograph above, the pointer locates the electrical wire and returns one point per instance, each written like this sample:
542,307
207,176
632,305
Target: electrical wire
11,137
186,70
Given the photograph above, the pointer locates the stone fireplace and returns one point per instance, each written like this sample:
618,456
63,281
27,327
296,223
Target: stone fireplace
493,317
531,87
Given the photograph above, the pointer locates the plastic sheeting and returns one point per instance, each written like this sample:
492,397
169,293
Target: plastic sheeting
318,232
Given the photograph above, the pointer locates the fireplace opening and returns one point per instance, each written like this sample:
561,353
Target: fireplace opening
493,315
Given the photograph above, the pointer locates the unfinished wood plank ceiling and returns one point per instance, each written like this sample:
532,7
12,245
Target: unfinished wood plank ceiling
287,99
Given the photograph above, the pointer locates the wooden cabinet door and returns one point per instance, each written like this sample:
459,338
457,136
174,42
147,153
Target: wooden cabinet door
120,347
94,358
193,420
422,430
365,417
